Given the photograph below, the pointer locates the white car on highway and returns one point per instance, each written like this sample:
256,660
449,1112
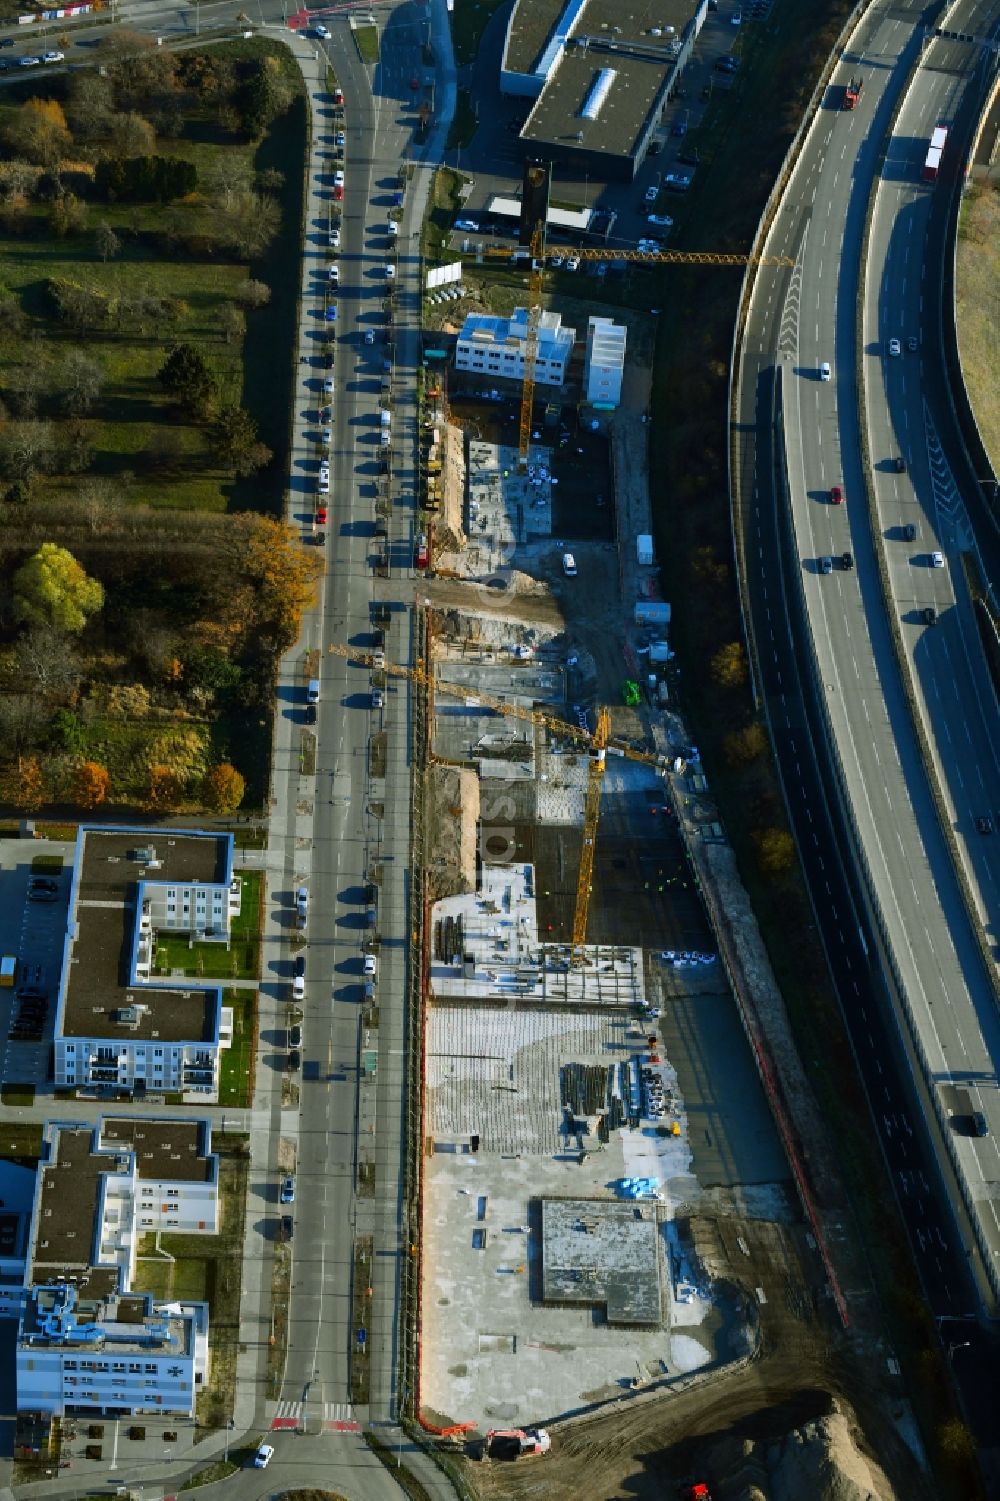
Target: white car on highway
895,347
937,560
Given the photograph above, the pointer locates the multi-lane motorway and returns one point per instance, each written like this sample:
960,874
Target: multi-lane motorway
857,788
946,665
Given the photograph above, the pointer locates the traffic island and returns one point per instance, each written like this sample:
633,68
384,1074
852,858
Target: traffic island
361,1295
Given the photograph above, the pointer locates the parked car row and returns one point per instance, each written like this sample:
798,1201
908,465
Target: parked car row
31,1006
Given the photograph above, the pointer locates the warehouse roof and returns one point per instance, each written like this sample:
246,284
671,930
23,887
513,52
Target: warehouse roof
636,85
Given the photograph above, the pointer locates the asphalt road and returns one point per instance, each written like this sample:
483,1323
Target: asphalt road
330,830
947,668
799,319
357,821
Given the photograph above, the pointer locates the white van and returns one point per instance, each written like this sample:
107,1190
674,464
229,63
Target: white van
569,565
312,691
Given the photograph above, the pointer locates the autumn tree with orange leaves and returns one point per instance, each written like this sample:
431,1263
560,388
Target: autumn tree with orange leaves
90,783
222,788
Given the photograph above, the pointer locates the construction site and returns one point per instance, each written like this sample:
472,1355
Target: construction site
614,1238
630,1229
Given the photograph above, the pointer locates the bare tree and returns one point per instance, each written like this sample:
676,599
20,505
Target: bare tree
91,102
101,500
232,322
26,448
79,381
13,319
130,134
45,658
248,222
223,179
253,294
107,242
20,720
23,386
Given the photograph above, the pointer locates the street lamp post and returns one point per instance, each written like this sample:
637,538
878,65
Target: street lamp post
229,1428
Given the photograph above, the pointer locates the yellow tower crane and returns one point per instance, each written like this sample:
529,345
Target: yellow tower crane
536,281
591,818
599,745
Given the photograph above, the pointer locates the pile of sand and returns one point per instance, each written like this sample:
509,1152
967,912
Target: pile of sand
453,819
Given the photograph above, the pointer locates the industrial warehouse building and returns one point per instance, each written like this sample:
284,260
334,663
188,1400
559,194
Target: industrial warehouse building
600,78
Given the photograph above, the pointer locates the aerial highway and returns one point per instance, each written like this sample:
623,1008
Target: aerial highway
921,510
857,787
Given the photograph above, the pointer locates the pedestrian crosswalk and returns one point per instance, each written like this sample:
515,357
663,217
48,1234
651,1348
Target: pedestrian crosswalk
338,1416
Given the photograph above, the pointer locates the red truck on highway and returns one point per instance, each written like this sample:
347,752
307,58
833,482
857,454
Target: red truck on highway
852,92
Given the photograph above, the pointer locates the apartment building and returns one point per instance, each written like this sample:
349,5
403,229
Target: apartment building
604,362
120,1028
88,1342
496,346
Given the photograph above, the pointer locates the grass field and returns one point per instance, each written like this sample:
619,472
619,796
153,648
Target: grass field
132,428
241,961
978,307
236,1075
366,41
445,204
19,1140
209,1267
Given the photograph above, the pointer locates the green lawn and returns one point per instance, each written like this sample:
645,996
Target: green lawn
978,288
154,1275
19,1139
366,39
209,1267
236,1073
445,203
241,961
132,428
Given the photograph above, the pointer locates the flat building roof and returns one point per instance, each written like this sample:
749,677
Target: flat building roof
598,1251
530,27
110,865
557,117
165,1150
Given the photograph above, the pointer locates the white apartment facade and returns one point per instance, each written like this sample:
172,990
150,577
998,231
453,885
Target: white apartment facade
604,362
87,1341
496,347
120,1028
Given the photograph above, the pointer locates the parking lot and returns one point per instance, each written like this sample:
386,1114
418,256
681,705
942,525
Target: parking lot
34,890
